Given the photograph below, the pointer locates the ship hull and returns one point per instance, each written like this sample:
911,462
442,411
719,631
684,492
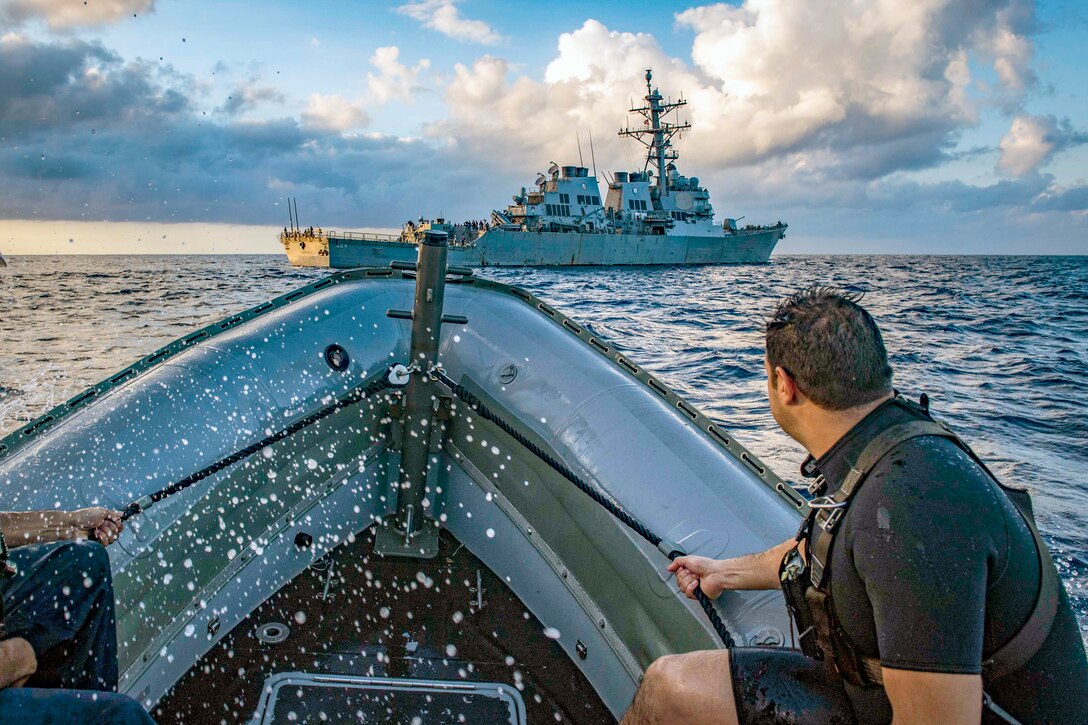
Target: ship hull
502,248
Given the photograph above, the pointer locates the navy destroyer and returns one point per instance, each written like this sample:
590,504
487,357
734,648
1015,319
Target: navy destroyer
649,216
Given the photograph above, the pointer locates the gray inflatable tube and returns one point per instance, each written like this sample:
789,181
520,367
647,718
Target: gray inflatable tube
191,567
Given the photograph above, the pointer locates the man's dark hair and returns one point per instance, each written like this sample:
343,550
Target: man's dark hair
830,346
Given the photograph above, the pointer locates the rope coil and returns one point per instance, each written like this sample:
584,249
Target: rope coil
670,549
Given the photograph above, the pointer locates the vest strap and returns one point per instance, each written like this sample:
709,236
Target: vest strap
828,512
830,509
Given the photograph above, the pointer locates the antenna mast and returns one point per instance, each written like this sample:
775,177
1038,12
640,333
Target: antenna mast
592,155
657,136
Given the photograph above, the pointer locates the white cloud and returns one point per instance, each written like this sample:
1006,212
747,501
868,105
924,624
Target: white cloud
333,113
837,87
1033,140
443,16
67,14
249,96
1029,142
394,80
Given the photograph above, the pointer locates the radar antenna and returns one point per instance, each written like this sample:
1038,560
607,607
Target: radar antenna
657,134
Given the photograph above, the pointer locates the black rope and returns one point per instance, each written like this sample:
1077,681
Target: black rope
352,397
673,550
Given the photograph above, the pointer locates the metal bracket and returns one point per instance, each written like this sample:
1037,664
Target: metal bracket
408,315
421,544
443,409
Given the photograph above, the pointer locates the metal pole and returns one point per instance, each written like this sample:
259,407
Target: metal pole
410,535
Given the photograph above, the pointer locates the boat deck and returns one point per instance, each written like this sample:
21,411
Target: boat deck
376,617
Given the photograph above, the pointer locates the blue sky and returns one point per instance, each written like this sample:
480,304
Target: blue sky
937,126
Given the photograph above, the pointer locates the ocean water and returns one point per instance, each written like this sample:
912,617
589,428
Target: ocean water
1000,344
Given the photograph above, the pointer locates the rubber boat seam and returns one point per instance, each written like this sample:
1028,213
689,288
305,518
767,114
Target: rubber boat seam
20,437
554,561
192,608
566,420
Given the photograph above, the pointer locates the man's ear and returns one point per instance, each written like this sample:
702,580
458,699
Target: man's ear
785,385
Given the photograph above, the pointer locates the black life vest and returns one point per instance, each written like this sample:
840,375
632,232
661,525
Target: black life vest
808,592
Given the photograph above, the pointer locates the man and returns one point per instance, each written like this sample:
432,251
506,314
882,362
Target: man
58,620
922,586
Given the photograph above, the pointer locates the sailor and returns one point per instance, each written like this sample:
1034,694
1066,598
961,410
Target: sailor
918,579
58,639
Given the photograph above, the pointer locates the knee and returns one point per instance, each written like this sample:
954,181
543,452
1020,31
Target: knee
123,710
93,562
678,682
85,564
664,677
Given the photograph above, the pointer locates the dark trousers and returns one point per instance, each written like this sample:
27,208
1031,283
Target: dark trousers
61,602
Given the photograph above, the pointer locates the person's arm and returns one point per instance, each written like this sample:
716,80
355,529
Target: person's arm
41,527
714,576
928,697
17,662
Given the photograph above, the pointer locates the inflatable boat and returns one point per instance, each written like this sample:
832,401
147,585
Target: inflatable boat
403,495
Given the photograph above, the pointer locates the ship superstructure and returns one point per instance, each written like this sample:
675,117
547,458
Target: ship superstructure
652,215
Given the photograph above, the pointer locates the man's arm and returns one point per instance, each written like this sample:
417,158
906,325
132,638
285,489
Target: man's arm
928,697
41,527
714,576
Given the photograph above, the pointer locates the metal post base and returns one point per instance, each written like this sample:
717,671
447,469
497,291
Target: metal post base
423,544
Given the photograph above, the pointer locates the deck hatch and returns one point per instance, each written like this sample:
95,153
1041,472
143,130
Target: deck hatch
291,697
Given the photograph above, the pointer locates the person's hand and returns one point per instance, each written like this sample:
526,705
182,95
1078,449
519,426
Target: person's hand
97,523
701,571
17,662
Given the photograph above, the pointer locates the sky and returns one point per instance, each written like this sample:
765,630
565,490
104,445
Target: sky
870,126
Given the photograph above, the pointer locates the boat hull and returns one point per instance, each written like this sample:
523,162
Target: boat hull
503,248
195,565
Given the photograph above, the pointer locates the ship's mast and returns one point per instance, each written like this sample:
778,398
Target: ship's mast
657,136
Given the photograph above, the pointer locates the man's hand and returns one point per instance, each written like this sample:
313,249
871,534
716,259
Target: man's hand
97,523
17,662
22,528
698,571
714,576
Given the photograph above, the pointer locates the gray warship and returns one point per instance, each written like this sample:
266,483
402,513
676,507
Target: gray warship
652,216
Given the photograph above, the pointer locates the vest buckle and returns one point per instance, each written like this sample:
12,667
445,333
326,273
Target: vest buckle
828,512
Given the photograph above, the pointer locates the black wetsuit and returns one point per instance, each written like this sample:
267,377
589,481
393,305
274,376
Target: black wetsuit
933,567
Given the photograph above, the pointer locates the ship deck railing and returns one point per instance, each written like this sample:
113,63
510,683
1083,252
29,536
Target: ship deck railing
364,236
